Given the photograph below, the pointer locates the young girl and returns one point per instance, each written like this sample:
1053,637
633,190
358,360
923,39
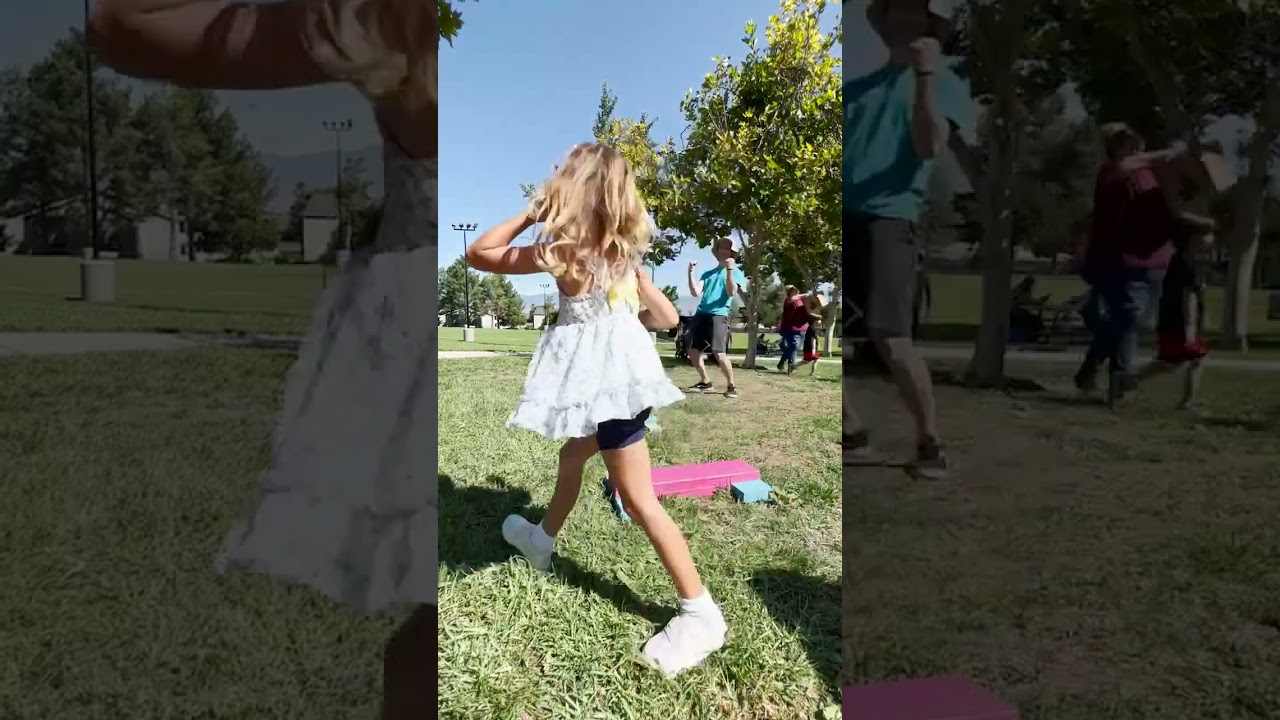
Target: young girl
813,305
596,377
348,505
1180,326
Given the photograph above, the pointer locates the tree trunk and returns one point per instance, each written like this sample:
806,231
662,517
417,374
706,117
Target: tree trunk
191,235
1000,38
175,251
986,368
751,254
833,307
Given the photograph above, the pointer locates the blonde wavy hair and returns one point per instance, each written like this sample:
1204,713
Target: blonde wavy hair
595,227
385,48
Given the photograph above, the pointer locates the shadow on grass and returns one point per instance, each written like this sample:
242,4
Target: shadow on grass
1266,421
471,521
809,606
471,540
622,597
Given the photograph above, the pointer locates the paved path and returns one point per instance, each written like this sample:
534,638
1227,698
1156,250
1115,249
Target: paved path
53,343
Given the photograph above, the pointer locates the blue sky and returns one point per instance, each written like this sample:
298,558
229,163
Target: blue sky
522,82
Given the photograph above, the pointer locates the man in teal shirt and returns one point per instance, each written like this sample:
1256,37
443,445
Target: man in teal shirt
715,290
897,120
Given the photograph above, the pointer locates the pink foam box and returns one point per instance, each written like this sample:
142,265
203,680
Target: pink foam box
698,479
940,698
701,479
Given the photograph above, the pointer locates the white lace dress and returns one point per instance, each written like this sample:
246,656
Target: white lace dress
349,504
596,364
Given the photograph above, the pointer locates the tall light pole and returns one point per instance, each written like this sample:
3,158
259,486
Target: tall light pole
339,128
546,307
91,141
465,228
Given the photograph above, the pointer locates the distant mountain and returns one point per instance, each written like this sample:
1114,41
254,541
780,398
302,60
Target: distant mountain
686,305
535,300
317,170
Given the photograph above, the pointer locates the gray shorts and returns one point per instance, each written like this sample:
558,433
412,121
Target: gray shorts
710,333
881,268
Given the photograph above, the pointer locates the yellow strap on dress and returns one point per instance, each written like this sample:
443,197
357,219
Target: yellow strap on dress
624,291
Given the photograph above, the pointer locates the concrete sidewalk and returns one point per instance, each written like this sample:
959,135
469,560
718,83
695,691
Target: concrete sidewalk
77,343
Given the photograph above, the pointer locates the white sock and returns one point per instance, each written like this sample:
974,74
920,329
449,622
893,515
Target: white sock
701,606
541,538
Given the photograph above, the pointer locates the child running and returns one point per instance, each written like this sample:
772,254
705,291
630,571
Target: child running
596,377
810,337
1180,325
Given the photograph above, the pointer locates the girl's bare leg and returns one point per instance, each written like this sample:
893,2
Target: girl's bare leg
409,668
537,542
1191,383
699,629
631,472
574,455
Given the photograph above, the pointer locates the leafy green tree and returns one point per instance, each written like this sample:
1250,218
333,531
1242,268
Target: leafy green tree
671,293
498,298
200,167
43,143
356,199
292,231
1190,64
452,291
450,20
760,156
239,219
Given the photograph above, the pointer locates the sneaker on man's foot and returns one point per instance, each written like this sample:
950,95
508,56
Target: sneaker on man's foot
701,387
530,540
685,642
856,447
732,392
1086,383
930,462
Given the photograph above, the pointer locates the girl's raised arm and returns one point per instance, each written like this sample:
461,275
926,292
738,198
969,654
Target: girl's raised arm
659,313
216,44
492,251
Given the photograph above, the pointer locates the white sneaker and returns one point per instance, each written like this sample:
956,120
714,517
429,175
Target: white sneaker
685,642
523,535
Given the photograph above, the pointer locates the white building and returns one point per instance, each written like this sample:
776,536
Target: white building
319,223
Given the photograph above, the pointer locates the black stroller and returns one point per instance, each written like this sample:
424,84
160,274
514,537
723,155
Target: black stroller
683,336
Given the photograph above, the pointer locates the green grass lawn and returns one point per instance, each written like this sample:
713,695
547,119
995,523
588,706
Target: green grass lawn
526,340
516,643
124,472
1083,564
42,293
957,307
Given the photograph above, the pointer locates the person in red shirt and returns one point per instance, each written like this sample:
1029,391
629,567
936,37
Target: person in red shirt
792,327
1130,244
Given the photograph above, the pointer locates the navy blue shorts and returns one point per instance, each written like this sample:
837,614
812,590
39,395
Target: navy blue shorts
617,434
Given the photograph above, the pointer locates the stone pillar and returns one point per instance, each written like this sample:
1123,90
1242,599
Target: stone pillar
97,279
